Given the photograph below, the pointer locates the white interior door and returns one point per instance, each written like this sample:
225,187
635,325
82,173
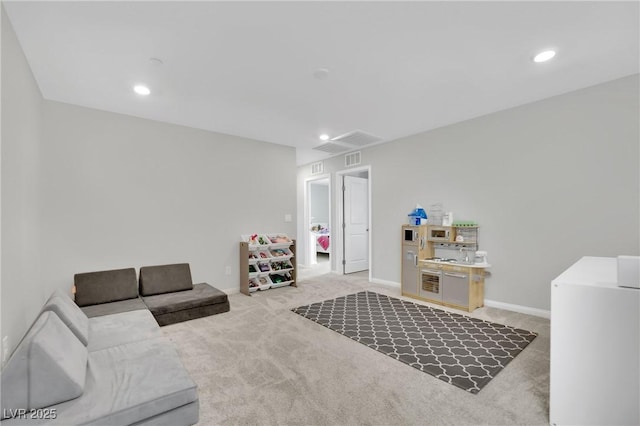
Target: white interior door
356,224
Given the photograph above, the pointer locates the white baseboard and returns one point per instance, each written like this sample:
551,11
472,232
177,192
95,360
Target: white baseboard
230,291
385,282
518,308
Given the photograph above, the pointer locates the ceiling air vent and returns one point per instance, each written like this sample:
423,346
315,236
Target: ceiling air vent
332,148
357,138
317,168
352,159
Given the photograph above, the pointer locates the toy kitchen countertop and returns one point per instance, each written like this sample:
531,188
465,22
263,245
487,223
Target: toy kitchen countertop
455,262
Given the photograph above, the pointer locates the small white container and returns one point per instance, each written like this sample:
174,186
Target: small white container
447,219
481,257
436,211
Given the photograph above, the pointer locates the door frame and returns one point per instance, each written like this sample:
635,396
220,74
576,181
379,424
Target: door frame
307,218
338,253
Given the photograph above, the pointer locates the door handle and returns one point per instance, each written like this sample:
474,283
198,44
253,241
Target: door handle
415,260
455,275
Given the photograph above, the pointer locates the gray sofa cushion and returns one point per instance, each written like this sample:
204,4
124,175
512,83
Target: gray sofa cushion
165,278
48,367
201,295
127,384
70,314
192,313
114,307
203,300
93,288
111,330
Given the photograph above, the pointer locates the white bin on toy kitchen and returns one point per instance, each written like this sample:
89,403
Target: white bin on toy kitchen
481,257
436,212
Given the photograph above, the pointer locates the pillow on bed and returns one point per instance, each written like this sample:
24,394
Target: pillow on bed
48,367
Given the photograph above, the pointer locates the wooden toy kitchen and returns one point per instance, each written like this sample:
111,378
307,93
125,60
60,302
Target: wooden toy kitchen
442,265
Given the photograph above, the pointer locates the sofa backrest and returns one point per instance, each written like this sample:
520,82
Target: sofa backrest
93,288
165,279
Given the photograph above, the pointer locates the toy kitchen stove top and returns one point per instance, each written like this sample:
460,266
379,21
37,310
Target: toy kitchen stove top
440,259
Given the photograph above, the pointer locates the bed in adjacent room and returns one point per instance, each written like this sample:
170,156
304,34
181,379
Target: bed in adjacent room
320,232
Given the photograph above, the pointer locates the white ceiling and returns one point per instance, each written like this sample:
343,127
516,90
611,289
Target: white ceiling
247,68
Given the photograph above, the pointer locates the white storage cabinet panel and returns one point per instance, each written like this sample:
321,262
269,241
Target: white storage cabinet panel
595,347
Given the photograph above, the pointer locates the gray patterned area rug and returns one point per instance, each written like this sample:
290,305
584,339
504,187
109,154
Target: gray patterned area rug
466,352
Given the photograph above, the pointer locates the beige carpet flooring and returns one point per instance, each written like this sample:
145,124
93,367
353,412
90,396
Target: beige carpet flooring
262,364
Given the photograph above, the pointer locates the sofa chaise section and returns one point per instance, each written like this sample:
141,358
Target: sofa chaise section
127,384
107,292
48,367
131,383
171,296
115,369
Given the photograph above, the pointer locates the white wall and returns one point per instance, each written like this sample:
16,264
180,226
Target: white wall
120,191
548,182
21,292
319,202
87,190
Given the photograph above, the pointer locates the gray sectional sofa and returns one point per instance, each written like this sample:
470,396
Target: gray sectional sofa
166,290
103,360
115,369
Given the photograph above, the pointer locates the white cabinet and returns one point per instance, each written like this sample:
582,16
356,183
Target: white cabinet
266,261
595,347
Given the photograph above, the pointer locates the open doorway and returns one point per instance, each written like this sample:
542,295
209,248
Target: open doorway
354,213
319,246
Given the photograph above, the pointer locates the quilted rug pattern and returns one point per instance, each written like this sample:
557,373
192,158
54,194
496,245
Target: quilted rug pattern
463,351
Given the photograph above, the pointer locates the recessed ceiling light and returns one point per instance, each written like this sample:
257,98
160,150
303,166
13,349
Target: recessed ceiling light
141,90
324,137
544,56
